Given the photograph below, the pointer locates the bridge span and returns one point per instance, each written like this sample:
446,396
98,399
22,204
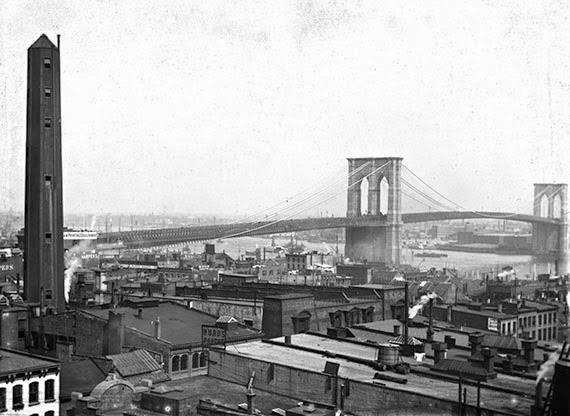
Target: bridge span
167,236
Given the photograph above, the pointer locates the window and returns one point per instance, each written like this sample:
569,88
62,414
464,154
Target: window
195,360
2,398
184,362
17,397
534,321
554,333
202,359
47,92
175,363
47,122
33,393
540,319
47,63
49,393
48,237
47,179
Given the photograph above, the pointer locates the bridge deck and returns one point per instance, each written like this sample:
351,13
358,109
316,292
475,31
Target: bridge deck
142,238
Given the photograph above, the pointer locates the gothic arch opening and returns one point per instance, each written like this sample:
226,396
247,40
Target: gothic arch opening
544,206
364,186
557,206
383,190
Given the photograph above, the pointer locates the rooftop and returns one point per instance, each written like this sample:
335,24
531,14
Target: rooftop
417,383
17,361
179,325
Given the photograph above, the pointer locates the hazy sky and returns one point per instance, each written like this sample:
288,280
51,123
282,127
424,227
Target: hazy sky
232,106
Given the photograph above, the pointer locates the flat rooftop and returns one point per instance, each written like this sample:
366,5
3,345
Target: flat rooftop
16,361
429,386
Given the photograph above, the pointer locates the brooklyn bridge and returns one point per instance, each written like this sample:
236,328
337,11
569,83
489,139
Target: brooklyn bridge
374,217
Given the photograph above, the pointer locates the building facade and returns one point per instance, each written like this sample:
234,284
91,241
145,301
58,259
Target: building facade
29,385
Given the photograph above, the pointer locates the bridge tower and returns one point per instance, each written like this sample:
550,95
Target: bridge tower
375,243
551,201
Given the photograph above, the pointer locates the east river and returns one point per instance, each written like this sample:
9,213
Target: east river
468,264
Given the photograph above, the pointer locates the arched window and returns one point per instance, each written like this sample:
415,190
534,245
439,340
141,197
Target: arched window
184,362
176,363
364,187
17,397
2,398
383,189
195,360
49,390
34,392
557,206
544,206
50,413
203,359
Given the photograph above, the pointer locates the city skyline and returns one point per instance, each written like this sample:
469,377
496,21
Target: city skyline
255,99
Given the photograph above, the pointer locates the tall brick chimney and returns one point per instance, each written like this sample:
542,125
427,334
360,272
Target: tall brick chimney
439,351
475,340
528,347
488,359
115,333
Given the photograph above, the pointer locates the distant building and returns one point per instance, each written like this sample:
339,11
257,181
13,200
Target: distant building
296,261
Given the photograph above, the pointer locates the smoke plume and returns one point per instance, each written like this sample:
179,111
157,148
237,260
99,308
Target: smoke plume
547,368
72,264
413,311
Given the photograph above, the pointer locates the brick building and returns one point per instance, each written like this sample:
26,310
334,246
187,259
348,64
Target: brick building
170,332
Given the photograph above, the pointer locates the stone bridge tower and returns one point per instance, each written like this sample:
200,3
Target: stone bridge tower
375,243
551,201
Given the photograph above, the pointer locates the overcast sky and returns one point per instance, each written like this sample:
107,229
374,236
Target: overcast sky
227,107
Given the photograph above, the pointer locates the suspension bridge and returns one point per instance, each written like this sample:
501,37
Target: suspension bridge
375,189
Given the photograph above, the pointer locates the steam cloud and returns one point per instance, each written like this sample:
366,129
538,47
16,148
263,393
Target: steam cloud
547,368
413,311
72,264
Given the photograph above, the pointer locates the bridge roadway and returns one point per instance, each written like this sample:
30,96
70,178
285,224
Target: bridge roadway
166,236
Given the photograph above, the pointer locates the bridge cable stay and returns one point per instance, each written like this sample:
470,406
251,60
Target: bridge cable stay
313,194
318,193
321,186
304,209
456,204
417,200
310,190
288,209
432,201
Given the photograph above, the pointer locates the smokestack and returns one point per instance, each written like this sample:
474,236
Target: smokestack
488,359
439,352
430,326
406,306
397,331
157,328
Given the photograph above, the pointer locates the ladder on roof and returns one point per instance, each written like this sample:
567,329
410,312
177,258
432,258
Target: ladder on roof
547,409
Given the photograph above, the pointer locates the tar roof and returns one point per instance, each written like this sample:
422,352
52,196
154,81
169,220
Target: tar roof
80,376
134,363
179,325
11,361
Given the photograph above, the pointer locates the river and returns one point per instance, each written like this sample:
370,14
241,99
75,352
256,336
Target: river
467,263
